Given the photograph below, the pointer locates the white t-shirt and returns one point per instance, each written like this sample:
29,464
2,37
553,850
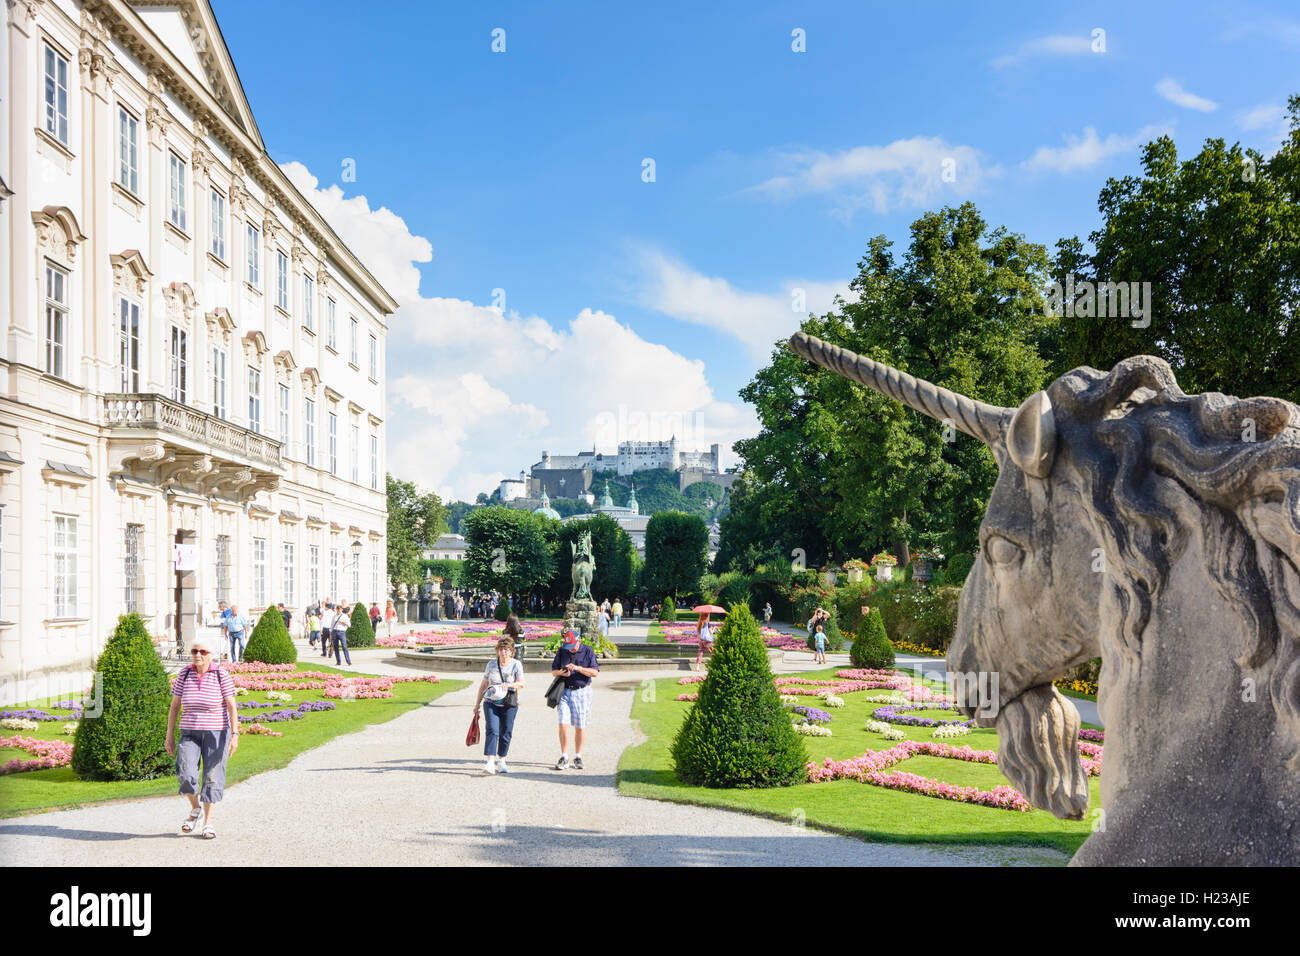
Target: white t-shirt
509,673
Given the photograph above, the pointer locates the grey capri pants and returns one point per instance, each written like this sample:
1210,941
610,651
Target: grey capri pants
213,746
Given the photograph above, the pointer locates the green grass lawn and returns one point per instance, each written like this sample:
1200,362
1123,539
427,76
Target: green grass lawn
845,806
656,633
60,788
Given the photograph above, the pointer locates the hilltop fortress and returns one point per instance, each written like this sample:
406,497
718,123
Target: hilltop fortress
570,476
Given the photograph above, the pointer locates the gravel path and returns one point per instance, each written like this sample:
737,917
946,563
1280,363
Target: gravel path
408,792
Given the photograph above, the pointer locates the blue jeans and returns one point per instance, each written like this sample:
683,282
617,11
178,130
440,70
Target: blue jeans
500,724
341,644
618,619
237,640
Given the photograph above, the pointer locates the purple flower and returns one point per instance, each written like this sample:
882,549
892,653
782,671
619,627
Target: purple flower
890,715
813,714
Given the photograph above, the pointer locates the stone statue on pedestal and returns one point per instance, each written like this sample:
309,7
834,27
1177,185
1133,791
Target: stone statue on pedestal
580,612
399,603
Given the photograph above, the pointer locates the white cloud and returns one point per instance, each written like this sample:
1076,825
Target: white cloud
1260,116
1083,152
906,173
756,319
1055,46
475,394
1173,91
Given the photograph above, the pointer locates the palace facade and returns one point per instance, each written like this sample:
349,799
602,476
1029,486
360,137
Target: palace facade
192,405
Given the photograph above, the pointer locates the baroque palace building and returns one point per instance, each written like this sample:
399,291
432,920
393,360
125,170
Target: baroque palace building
192,407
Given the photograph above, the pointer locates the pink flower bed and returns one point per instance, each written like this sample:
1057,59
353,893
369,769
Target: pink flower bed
694,696
48,753
820,688
871,766
260,730
280,677
697,679
464,635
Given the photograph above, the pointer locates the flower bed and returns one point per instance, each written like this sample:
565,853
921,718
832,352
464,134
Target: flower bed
465,635
812,730
813,714
694,696
890,715
907,647
48,753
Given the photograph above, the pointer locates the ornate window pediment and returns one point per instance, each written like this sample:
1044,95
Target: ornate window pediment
57,233
255,346
310,378
284,366
180,302
130,274
220,325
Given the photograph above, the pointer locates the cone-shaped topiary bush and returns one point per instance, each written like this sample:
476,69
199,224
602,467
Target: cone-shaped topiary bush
667,610
502,611
737,734
831,627
871,648
128,740
360,631
270,642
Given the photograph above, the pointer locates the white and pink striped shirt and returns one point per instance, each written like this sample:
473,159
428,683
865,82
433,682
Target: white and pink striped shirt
203,698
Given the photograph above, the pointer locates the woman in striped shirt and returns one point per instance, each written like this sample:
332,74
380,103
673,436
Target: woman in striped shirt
204,697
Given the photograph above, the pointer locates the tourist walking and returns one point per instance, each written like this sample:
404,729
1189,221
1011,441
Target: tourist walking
375,617
498,694
390,615
204,698
617,612
819,641
515,633
603,617
704,635
341,621
767,614
327,628
236,626
313,625
576,663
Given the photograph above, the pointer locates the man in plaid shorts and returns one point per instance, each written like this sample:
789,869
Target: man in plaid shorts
576,663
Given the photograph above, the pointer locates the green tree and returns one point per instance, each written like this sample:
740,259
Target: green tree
871,648
415,519
127,741
676,553
1218,237
738,734
510,551
270,642
613,550
360,631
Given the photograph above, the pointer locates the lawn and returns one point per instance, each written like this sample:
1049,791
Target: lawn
846,806
60,788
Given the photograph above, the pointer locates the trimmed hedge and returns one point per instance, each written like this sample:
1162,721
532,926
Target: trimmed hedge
128,740
667,611
360,633
270,642
738,734
502,612
872,647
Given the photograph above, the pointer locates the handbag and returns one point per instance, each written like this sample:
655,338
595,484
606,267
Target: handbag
512,696
555,692
471,738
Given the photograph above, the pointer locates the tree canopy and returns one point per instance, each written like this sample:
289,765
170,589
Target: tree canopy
676,553
415,519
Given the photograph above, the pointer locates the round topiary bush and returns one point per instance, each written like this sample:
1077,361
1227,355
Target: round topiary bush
502,612
738,734
270,642
360,632
872,647
127,741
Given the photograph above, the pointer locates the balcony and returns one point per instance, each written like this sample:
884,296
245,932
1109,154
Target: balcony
160,441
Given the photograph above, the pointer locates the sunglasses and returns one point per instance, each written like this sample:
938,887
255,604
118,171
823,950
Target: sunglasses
197,651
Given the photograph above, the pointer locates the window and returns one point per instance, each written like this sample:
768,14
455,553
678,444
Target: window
259,572
282,280
287,585
56,320
313,572
374,576
219,383
334,444
309,302
223,568
283,392
353,350
56,95
309,421
374,461
255,400
218,225
374,358
128,151
330,332
65,566
128,335
132,589
334,573
176,191
356,453
179,365
254,256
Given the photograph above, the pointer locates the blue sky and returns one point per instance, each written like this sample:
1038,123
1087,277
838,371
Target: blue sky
633,307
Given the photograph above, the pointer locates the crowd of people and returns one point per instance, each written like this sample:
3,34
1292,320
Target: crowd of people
326,624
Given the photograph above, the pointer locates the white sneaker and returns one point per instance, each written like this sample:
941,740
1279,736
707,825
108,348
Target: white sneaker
501,765
489,768
562,763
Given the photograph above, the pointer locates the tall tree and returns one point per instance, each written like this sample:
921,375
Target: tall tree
676,553
510,551
415,519
1218,237
613,550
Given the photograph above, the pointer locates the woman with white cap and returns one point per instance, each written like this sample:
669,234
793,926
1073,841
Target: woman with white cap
503,678
204,697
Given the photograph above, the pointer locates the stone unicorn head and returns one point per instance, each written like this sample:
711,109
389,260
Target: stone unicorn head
1161,532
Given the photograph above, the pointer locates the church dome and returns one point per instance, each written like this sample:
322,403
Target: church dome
606,501
546,508
631,502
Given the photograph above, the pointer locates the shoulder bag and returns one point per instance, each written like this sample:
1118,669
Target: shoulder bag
512,696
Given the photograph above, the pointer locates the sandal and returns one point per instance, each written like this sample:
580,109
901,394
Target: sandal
192,820
208,832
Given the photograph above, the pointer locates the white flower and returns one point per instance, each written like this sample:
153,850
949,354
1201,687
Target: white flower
278,695
789,699
70,728
877,726
19,723
950,730
812,730
833,701
894,733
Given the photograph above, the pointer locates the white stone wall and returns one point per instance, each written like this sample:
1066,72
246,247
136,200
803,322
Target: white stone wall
68,208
